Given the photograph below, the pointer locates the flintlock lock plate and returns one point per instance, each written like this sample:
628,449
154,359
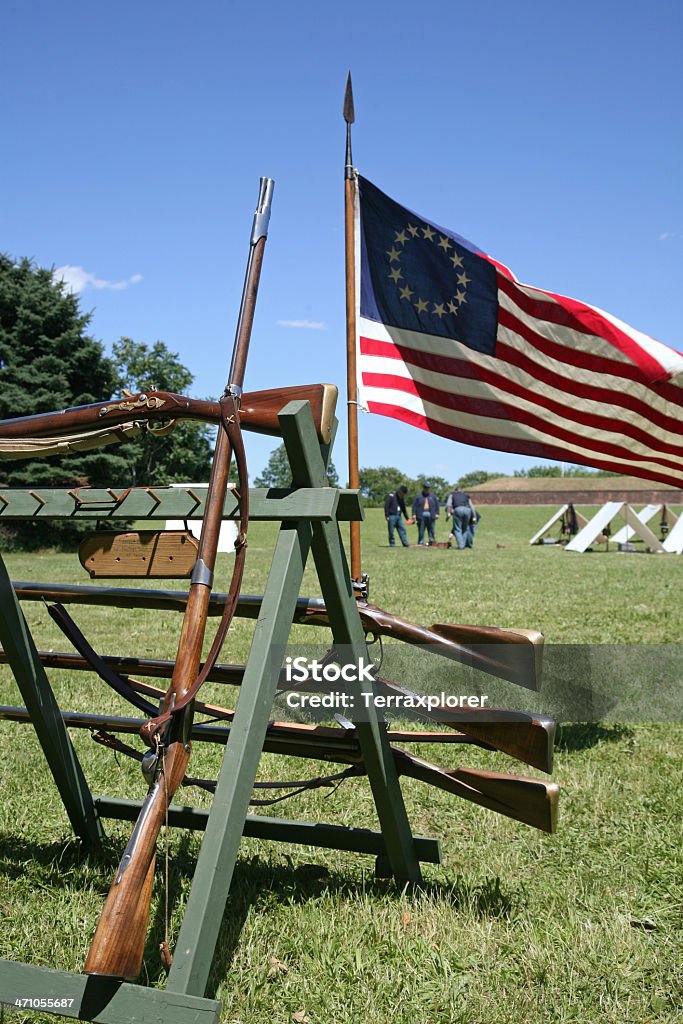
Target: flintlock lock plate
164,554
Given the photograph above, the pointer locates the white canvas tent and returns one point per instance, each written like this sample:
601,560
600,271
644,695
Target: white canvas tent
674,540
645,515
603,517
555,517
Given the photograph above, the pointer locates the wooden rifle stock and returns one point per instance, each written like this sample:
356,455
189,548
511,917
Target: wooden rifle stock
258,412
527,738
118,945
524,737
531,801
511,654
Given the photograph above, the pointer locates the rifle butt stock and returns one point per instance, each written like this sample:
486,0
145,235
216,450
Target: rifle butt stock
531,801
531,742
259,409
118,945
527,738
518,651
511,654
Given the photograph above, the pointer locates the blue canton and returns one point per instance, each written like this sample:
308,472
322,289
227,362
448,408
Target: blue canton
420,277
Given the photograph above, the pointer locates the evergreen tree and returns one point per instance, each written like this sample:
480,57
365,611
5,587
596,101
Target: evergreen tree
48,361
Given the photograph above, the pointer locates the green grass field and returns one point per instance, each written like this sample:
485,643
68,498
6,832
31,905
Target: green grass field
515,927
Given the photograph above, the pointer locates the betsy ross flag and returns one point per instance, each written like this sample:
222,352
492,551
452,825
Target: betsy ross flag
450,341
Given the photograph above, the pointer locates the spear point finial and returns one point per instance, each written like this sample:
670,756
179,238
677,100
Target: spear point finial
349,116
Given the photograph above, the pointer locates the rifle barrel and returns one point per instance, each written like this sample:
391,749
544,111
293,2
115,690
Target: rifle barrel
258,412
506,654
118,945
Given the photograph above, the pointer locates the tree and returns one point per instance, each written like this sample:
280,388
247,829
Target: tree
558,471
48,361
376,483
185,453
476,477
278,474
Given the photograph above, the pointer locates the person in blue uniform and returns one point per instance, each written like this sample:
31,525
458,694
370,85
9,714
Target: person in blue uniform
426,512
394,510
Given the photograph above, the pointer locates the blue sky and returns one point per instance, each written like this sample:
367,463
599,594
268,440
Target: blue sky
135,135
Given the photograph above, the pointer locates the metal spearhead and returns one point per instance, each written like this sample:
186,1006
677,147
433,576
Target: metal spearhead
349,116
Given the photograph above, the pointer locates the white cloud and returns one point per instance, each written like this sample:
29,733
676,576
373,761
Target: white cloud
77,280
307,325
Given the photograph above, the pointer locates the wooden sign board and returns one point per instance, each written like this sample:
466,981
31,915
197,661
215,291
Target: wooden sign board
164,554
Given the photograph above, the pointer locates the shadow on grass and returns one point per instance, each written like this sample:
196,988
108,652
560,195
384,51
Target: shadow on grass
584,735
262,886
46,862
258,885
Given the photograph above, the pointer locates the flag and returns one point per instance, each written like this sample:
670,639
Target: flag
450,341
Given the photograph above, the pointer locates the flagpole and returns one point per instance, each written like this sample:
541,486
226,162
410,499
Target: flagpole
351,379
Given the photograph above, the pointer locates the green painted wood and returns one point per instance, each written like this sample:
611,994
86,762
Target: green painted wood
101,999
308,469
215,864
306,508
40,701
350,508
161,503
281,830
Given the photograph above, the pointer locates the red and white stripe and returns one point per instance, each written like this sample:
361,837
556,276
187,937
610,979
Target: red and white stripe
568,382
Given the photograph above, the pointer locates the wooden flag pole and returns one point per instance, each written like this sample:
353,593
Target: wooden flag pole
351,380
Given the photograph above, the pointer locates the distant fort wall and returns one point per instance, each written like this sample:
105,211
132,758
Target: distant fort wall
579,496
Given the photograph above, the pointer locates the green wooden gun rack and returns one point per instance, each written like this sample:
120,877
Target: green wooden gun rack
309,516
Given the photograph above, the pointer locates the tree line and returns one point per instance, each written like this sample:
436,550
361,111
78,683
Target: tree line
48,361
376,482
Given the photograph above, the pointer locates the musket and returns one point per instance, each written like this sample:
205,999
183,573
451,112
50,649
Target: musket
531,801
208,732
118,945
527,738
511,654
258,413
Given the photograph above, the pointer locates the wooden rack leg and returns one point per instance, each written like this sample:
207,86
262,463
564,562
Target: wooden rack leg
35,688
308,468
216,862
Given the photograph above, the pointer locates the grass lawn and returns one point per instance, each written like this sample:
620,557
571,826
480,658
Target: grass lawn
515,927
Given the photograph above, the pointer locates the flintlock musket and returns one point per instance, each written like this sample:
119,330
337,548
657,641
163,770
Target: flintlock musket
118,945
531,801
511,654
48,433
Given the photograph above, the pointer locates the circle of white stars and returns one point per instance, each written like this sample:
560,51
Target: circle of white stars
425,304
